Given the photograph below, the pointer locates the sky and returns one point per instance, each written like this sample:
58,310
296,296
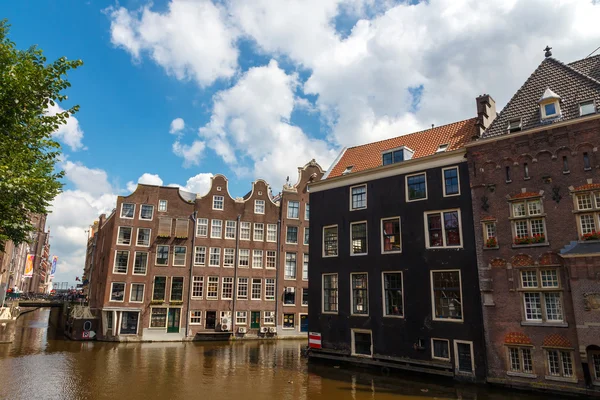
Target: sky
174,91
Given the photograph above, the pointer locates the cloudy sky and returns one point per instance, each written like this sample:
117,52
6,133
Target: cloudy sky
173,91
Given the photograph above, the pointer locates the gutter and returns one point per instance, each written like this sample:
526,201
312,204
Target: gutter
277,269
235,269
334,163
192,255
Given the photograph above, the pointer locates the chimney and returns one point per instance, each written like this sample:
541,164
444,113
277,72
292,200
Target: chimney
486,112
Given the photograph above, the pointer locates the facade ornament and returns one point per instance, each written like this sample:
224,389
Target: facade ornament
592,301
556,196
484,203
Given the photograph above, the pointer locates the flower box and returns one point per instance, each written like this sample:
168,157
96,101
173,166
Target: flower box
535,239
491,242
593,235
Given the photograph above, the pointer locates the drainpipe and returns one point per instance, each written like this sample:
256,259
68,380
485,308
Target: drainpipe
277,269
192,255
235,269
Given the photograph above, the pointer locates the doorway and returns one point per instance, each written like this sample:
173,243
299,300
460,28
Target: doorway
255,320
173,320
211,319
303,323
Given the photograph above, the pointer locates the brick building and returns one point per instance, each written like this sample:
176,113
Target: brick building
535,178
171,265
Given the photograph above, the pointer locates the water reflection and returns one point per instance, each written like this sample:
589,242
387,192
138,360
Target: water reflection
37,366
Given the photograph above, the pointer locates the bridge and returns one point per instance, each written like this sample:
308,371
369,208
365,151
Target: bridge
17,307
39,303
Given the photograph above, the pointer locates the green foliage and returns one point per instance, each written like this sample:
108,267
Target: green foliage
28,153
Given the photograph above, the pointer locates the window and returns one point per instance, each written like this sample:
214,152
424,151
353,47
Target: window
259,232
259,206
257,258
200,256
588,214
202,227
542,297
362,344
164,227
305,267
162,205
490,238
507,174
227,288
291,236
127,210
443,229
129,322
121,262
586,161
289,296
212,291
392,294
594,362
440,349
390,235
358,232
218,202
270,289
177,288
146,212
587,107
330,293
307,212
195,317
392,157
179,256
360,299
181,228
442,148
162,255
215,257
416,187
197,287
306,233
451,181
271,259
550,110
241,317
242,289
269,317
256,289
514,125
520,360
305,296
230,229
289,321
271,233
290,266
158,318
565,164
330,241
228,257
528,222
463,352
560,363
109,319
216,229
117,291
358,197
244,258
124,237
160,288
143,237
446,295
245,230
525,171
293,209
140,263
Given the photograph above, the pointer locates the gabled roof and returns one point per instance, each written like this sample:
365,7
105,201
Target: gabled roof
571,82
423,143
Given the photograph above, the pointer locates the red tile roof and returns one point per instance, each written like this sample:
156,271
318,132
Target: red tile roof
526,195
423,143
516,338
556,340
589,186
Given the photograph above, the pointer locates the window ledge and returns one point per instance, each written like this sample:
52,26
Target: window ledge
521,374
545,324
560,379
527,178
491,248
566,172
587,169
588,241
520,246
509,181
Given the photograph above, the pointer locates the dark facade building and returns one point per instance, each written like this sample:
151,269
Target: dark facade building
536,199
393,263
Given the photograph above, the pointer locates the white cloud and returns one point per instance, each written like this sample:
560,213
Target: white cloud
191,154
89,180
70,133
177,125
198,184
147,179
191,40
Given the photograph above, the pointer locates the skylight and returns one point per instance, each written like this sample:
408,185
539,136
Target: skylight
348,170
442,148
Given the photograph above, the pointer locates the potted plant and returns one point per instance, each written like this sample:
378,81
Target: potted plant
491,242
593,235
522,240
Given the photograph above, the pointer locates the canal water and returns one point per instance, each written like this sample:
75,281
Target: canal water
37,366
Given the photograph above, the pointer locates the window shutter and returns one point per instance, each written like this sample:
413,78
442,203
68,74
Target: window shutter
181,228
164,227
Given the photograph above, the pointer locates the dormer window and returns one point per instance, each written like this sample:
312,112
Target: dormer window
549,104
348,170
442,148
515,125
397,155
587,107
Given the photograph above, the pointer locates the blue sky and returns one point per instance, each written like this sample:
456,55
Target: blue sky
264,86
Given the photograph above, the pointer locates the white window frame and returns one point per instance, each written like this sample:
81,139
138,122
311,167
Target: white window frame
114,271
257,207
156,258
527,218
212,226
561,376
161,202
154,328
194,315
223,287
286,234
337,305
254,235
408,200
239,285
243,227
352,296
556,108
288,209
182,290
145,268
232,251
229,227
215,200
486,234
203,224
337,248
194,281
131,292
146,219
444,180
584,102
295,266
541,290
462,299
184,257
252,289
255,253
521,372
274,258
293,328
121,213
456,358
130,236
197,264
353,343
352,253
271,284
306,229
240,257
292,289
241,316
433,356
271,317
138,235
383,293
164,299
208,282
302,290
275,237
381,235
307,211
594,373
305,261
210,252
351,197
110,299
426,227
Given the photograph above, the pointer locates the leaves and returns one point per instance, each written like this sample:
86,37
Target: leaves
28,153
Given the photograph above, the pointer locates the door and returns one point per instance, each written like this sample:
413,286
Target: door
211,319
173,320
255,320
303,323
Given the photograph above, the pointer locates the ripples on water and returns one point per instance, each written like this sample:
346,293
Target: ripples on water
37,366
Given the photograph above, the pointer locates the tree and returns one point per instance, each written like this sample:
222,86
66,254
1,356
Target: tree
29,180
